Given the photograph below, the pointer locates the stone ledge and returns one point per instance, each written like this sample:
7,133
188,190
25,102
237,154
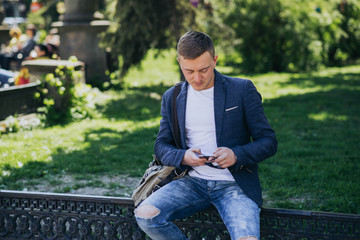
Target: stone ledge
18,100
39,67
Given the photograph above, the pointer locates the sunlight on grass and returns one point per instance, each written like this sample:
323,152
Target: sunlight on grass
155,69
315,115
87,136
323,116
275,85
339,70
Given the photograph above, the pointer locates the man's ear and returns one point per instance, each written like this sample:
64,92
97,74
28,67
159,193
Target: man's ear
178,60
215,59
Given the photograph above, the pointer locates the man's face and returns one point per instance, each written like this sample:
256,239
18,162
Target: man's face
38,51
30,33
199,72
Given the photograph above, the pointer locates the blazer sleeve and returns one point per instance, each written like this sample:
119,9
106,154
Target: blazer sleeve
264,143
165,148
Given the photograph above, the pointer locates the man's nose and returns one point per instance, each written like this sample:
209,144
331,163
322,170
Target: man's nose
197,76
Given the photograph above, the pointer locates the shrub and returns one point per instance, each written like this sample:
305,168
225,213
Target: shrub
141,25
338,29
267,35
283,35
64,99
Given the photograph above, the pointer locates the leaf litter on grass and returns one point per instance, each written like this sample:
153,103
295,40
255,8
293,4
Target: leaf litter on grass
97,185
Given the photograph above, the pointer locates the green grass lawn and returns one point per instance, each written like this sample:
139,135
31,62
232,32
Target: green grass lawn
316,117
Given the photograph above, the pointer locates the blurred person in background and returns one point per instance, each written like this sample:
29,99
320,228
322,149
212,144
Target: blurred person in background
41,51
19,51
52,41
17,38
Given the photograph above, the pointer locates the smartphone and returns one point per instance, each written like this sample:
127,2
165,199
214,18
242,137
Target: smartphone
207,157
204,156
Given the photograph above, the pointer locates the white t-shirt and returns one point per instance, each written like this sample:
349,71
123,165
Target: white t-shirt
201,133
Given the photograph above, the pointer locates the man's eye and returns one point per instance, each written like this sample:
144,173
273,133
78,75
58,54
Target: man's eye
189,72
204,70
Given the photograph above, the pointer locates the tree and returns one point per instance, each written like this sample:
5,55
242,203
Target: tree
284,35
141,25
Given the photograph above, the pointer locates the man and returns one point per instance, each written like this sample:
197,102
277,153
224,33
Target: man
40,51
221,117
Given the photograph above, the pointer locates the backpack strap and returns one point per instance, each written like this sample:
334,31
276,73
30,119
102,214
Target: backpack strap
176,173
176,132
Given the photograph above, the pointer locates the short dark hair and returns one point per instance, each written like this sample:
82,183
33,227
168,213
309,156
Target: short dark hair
193,44
44,49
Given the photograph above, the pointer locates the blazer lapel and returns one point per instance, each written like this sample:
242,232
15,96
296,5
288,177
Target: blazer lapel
219,104
181,108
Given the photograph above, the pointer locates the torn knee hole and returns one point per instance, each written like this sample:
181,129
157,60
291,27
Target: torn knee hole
248,238
146,211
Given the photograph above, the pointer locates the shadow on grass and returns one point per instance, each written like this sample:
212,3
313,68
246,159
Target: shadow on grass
108,152
347,80
318,135
142,104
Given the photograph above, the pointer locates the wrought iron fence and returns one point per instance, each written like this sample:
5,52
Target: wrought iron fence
26,215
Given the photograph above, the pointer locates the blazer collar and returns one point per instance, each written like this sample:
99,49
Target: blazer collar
181,110
219,103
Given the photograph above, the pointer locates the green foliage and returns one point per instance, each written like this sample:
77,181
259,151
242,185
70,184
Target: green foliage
282,35
64,99
267,35
339,31
45,16
312,170
141,25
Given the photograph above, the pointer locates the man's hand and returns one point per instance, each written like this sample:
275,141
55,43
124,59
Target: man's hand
191,158
225,157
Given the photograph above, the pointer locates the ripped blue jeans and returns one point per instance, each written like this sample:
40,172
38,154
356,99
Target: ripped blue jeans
188,195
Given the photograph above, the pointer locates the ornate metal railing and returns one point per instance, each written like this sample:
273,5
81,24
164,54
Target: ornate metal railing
26,215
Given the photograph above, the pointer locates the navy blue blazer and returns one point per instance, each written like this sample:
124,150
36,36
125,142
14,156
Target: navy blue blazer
240,124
